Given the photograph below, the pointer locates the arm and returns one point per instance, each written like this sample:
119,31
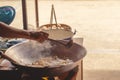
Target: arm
9,32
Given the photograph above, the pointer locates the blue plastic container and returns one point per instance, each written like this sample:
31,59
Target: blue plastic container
7,14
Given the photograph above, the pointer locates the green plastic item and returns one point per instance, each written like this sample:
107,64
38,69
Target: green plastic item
7,14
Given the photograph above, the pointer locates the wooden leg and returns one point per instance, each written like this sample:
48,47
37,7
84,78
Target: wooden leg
81,69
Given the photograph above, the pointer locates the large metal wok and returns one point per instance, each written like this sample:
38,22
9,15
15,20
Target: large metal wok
25,53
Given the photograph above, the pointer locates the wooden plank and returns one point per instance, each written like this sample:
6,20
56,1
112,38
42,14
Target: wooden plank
80,73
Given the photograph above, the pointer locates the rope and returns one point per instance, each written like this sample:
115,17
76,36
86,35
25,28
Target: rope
53,14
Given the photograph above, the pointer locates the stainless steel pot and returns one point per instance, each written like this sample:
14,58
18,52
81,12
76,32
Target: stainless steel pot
58,31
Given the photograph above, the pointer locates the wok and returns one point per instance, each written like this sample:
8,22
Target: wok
25,53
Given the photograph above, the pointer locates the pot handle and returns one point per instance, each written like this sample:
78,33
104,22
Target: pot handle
53,15
67,45
7,57
1,53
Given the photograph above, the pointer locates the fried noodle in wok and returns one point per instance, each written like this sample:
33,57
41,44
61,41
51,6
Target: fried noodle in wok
51,61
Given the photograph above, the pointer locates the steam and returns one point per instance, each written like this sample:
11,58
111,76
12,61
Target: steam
39,50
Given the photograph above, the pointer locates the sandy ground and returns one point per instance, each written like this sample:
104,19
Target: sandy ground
98,22
102,67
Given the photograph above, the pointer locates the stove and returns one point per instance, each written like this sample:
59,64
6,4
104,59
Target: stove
23,75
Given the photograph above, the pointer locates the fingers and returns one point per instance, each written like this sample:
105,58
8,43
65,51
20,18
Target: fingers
39,36
43,36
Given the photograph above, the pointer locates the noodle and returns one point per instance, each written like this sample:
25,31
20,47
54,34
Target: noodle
51,61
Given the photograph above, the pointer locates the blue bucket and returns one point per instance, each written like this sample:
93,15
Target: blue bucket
7,14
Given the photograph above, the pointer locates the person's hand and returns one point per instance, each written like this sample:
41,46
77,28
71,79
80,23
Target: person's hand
39,36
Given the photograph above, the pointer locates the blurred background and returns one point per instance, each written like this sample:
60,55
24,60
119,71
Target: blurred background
97,21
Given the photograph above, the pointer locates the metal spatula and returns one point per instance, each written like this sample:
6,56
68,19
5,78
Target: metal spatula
67,45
